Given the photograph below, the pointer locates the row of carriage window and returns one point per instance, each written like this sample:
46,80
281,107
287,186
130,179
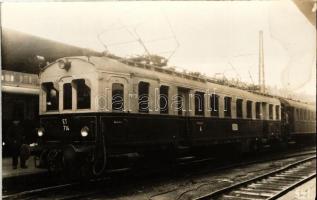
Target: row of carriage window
79,87
83,100
302,114
143,89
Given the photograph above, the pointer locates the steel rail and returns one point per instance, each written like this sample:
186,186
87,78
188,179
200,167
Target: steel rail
255,179
69,185
49,189
240,164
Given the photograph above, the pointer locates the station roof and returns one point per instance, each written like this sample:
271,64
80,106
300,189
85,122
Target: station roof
19,51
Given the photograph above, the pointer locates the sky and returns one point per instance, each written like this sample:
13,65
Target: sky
215,38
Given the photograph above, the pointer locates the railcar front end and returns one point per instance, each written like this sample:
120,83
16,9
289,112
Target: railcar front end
69,137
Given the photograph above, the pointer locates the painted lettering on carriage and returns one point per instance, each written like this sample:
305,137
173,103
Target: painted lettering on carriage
65,124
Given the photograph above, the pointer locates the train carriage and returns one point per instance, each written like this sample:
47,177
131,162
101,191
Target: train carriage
299,120
103,108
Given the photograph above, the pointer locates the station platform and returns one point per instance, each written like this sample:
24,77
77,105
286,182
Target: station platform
9,172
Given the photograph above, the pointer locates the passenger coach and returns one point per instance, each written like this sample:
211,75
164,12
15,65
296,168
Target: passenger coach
95,111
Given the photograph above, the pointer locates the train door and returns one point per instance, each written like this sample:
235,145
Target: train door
19,109
183,110
284,120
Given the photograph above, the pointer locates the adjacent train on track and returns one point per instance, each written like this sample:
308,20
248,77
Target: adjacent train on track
98,111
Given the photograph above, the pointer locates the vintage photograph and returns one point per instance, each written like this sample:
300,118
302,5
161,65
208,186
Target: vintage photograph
158,100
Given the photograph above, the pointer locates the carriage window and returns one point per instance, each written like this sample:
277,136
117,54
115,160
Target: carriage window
270,111
239,108
52,96
164,99
249,109
199,103
227,106
144,97
117,97
307,114
214,101
257,110
180,104
299,114
277,112
83,94
67,89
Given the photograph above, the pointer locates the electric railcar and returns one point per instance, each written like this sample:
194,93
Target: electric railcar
95,111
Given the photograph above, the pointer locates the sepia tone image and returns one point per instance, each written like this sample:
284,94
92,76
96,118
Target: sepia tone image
158,100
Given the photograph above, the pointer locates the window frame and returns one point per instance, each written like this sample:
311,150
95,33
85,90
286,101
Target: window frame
75,86
165,88
227,111
122,97
68,97
257,110
44,89
147,98
239,108
270,111
199,110
249,109
277,112
214,103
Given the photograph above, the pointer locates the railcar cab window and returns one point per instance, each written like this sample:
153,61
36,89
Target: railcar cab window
214,105
277,112
164,99
199,103
52,96
117,97
227,106
249,109
239,108
270,111
83,94
258,110
67,96
144,97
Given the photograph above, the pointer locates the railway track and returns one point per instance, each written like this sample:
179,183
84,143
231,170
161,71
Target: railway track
268,186
37,193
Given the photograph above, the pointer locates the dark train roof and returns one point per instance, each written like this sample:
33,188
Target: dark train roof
19,51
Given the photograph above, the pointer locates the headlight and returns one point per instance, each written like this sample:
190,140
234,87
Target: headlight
84,131
40,132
